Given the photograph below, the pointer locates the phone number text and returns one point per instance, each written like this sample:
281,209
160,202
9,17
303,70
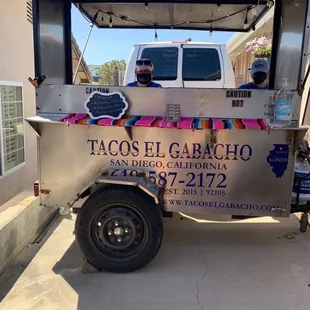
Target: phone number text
170,179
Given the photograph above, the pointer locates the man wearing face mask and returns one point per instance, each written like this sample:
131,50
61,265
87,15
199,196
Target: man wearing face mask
144,71
259,73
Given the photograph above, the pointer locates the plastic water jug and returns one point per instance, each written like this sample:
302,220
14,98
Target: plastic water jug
283,105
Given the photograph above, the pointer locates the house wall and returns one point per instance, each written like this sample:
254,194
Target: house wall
242,59
242,64
16,65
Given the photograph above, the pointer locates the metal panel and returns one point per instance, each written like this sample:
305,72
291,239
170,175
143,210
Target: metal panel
52,38
138,181
306,45
231,175
240,2
151,101
226,17
290,42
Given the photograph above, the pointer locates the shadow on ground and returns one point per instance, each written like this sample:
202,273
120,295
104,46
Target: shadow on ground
249,262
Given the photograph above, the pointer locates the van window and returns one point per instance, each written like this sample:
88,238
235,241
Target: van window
165,60
201,64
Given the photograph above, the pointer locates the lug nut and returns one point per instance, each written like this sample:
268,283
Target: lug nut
119,239
110,232
116,223
99,224
126,230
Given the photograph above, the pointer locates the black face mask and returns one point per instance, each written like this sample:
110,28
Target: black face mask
144,78
259,77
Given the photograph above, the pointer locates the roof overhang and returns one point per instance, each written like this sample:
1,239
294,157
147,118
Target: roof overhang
238,15
236,44
83,70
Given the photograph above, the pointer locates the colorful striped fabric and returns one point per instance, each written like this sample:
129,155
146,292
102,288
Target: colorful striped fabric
160,122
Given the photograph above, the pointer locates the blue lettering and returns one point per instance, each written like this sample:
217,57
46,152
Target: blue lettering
135,145
207,152
149,149
158,154
110,148
92,145
196,149
146,163
150,152
114,148
176,151
246,152
185,151
220,151
127,147
215,151
102,149
234,151
119,163
172,152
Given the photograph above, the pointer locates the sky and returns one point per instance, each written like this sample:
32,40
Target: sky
115,44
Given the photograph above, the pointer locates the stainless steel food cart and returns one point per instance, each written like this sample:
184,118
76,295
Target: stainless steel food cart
133,154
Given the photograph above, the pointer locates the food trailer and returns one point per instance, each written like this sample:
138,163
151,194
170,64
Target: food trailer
133,155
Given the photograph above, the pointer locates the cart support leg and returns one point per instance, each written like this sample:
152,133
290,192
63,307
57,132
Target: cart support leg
87,267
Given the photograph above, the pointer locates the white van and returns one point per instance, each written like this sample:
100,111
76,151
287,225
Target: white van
184,64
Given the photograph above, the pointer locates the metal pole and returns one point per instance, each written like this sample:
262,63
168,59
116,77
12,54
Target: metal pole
81,57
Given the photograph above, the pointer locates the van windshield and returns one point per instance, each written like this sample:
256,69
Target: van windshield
201,64
165,60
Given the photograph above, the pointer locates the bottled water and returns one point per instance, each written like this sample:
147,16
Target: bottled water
283,105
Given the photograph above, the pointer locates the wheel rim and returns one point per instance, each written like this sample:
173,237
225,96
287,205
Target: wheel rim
119,231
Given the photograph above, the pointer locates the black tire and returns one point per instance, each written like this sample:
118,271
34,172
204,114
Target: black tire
304,223
124,206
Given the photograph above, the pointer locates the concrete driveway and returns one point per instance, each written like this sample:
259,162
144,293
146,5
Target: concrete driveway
212,264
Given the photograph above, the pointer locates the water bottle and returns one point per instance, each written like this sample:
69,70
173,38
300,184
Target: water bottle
301,182
283,105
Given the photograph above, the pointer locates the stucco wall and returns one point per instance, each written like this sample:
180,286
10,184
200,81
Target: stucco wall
16,65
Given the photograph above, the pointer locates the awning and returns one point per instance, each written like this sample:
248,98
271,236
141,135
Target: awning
239,16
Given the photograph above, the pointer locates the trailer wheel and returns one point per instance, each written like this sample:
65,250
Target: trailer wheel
304,223
119,229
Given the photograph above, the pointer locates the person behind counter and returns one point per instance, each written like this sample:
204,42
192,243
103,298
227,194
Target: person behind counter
144,71
259,74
